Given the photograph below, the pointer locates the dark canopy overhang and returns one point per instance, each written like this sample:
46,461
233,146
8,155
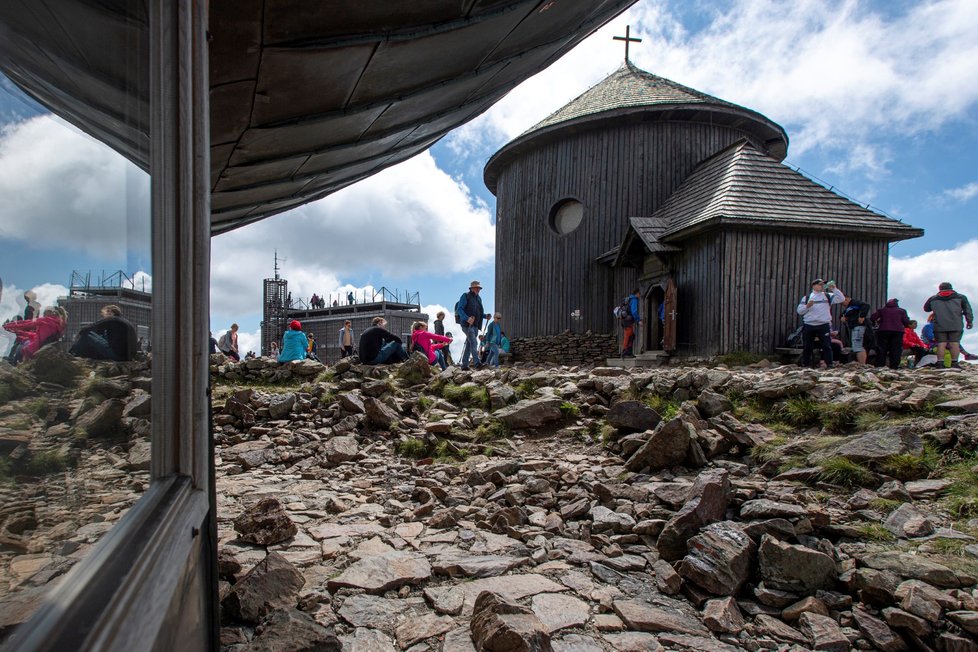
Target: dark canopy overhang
306,97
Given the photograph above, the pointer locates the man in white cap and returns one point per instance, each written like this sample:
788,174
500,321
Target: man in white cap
469,314
815,309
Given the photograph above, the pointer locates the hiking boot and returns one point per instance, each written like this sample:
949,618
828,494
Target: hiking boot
955,365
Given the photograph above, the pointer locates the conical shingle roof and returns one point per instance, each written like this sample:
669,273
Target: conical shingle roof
629,86
632,94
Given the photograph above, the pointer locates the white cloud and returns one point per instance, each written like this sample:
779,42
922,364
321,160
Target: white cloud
964,193
61,188
915,278
408,221
836,74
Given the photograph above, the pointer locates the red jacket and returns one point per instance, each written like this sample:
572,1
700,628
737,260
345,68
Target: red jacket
911,339
426,340
35,333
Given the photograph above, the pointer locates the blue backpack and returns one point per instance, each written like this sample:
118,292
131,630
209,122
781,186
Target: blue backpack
460,316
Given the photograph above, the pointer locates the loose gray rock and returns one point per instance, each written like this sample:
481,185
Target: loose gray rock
531,413
501,626
707,503
272,584
291,630
632,416
795,568
384,572
666,447
720,559
711,404
265,523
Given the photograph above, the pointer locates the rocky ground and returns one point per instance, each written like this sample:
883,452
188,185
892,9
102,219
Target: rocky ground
388,508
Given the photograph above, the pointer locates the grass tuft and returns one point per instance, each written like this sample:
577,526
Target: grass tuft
739,358
768,451
875,532
490,430
46,462
845,472
526,388
569,410
866,421
414,448
800,411
911,467
961,498
838,417
884,505
666,406
466,395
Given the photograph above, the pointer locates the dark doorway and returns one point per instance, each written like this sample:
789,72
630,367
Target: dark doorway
654,298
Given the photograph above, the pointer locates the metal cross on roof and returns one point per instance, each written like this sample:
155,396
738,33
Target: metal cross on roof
627,39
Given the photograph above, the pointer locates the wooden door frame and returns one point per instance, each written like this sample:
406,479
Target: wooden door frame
151,582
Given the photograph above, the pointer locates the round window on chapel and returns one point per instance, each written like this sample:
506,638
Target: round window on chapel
566,215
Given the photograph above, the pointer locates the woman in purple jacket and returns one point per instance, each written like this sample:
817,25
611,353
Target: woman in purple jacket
890,321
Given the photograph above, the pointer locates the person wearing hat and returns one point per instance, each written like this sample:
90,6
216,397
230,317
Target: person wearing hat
815,309
469,314
949,307
294,343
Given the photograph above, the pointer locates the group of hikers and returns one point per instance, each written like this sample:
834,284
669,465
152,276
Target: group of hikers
886,334
112,337
377,345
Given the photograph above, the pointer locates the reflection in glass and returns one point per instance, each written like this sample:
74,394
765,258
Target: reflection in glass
75,376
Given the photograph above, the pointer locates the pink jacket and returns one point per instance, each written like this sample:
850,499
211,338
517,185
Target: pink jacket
36,333
426,339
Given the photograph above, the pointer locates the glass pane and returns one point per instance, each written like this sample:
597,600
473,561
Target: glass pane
75,286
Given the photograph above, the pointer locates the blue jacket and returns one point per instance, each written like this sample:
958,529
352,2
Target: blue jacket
294,345
633,307
473,308
494,334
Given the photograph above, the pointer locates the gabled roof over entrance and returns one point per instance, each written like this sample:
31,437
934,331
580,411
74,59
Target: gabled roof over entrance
642,239
741,186
307,96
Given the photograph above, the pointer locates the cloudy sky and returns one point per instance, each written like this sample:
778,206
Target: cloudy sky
879,99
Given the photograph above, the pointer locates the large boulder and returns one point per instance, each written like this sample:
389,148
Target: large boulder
265,523
666,447
381,573
291,630
378,414
501,626
52,365
531,413
633,416
782,387
414,370
281,405
720,558
878,446
272,584
711,404
795,568
706,503
104,420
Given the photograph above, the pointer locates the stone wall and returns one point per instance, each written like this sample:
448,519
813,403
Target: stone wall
566,348
262,370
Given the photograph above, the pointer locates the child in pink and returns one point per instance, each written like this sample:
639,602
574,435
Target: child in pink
32,334
430,343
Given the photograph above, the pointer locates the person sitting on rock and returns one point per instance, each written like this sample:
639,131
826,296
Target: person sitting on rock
294,343
110,338
913,343
31,334
380,346
430,344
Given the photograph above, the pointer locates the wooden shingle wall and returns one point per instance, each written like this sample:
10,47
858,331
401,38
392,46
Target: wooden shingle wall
616,173
738,290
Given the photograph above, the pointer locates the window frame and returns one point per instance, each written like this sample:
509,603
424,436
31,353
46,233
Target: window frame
151,581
